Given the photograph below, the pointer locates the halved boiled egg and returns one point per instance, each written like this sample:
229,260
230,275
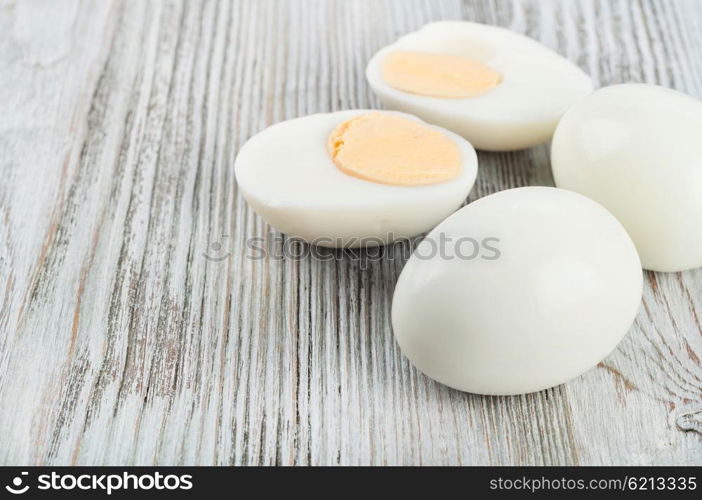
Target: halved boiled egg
499,89
355,178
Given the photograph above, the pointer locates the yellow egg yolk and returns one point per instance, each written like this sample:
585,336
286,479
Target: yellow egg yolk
438,75
390,149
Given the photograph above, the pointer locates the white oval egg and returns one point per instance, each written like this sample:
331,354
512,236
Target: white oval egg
530,288
636,149
518,108
288,175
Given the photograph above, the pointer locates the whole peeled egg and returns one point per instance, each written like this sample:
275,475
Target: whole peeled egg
499,89
517,292
355,178
637,150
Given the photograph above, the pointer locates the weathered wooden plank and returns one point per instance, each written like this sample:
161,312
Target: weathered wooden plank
122,343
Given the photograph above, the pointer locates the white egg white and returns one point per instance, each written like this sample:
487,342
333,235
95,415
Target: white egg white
530,288
635,149
537,85
287,175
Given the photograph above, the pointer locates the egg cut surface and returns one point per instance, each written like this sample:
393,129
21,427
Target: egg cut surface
355,178
637,150
499,89
517,292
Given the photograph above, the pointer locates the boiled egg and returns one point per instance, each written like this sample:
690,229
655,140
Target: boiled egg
517,292
637,150
355,178
499,89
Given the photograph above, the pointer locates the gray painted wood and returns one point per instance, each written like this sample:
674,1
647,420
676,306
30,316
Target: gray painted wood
122,344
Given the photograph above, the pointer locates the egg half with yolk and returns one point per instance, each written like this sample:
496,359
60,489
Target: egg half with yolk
499,89
355,178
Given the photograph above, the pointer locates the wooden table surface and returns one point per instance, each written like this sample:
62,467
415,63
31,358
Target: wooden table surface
125,339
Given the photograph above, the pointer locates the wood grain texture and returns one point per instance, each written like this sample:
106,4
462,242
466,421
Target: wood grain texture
121,343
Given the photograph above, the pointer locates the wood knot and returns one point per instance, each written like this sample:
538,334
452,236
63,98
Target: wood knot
690,421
